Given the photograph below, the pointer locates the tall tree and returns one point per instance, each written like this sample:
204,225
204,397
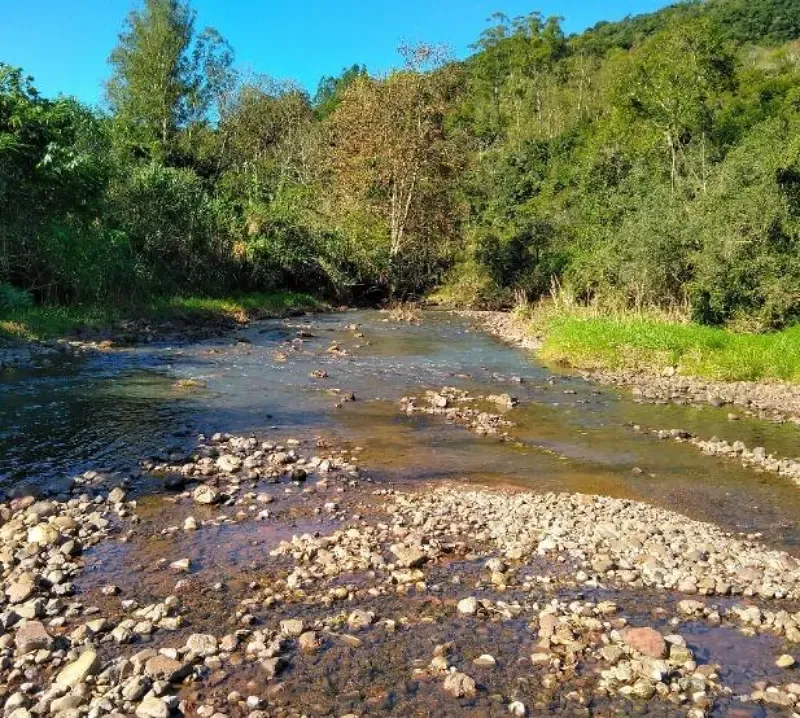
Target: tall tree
390,152
672,84
164,78
330,89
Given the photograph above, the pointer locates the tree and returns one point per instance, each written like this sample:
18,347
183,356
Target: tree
163,78
510,72
390,152
671,86
330,89
53,171
267,137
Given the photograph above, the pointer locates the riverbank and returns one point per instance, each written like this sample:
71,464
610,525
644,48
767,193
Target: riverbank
664,361
37,332
656,346
50,322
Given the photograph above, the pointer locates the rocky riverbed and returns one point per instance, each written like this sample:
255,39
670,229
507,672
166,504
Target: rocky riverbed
756,457
504,325
441,546
775,401
375,599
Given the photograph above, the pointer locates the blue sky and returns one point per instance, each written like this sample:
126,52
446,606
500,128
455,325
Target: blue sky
64,44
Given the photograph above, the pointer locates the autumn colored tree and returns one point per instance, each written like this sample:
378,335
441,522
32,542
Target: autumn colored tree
389,152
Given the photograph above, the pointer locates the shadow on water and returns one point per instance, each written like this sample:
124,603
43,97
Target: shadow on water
569,435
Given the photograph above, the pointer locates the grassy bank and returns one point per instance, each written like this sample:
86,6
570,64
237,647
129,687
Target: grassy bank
46,322
642,343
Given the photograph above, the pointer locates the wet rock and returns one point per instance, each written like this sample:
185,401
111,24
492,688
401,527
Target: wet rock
67,703
505,400
135,688
182,564
460,685
292,627
229,463
76,672
360,619
32,636
468,606
21,589
602,564
174,482
785,661
408,556
162,668
272,667
299,475
116,495
206,494
152,707
202,644
643,689
308,642
43,534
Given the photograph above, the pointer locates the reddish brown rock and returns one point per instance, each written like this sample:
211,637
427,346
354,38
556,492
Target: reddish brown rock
647,641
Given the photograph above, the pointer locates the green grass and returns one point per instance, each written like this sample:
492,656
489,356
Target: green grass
652,344
46,322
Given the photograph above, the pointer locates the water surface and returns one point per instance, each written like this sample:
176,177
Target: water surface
111,410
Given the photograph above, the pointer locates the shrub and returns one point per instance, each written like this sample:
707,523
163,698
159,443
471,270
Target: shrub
13,298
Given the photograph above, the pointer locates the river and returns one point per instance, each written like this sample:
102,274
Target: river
355,559
111,410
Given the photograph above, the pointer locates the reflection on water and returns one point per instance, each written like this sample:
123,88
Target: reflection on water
111,410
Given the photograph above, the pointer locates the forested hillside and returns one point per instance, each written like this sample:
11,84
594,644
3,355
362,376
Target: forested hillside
653,161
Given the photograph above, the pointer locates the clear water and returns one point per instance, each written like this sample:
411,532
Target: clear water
111,410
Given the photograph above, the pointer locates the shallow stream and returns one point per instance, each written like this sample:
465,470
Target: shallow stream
111,410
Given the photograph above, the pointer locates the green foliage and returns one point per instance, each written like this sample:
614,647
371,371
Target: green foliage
53,169
13,299
645,163
741,21
173,227
330,89
748,233
652,162
595,343
47,321
165,78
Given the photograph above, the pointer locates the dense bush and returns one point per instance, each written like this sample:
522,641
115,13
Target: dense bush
173,227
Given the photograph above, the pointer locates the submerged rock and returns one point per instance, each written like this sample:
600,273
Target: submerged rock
460,685
647,641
